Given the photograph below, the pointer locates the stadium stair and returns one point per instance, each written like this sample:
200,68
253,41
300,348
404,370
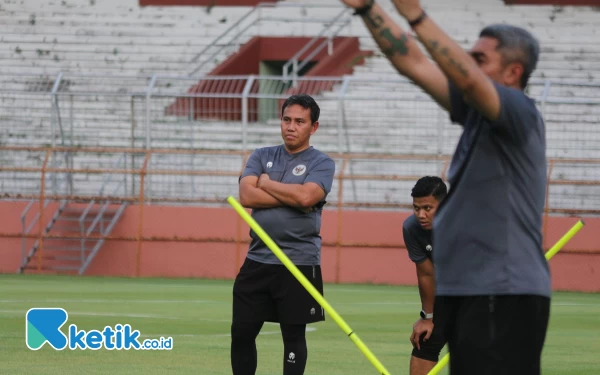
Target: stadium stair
93,222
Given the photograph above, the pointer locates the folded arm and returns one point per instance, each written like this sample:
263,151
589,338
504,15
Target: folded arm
300,196
251,196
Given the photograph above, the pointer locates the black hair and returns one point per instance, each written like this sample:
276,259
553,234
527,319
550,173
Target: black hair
306,101
515,45
430,185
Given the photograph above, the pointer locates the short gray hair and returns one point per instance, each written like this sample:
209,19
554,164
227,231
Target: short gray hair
515,45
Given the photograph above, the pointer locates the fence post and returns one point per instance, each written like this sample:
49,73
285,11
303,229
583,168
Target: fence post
338,241
440,137
132,145
141,219
42,209
342,114
547,203
53,124
70,163
148,130
295,73
147,125
245,92
343,129
544,98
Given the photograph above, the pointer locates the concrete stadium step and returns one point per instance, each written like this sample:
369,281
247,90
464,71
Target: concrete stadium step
42,53
43,43
117,9
192,41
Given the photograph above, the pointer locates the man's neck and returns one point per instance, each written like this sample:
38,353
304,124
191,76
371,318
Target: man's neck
296,151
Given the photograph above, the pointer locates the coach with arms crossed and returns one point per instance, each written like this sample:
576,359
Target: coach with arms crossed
492,280
286,187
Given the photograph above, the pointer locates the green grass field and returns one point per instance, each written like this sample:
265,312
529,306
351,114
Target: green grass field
196,313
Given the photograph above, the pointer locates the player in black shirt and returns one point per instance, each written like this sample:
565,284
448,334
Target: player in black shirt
427,339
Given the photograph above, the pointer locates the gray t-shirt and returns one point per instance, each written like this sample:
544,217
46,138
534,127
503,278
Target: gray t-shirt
417,240
487,232
295,232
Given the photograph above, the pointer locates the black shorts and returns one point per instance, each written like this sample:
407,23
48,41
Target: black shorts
494,335
270,293
430,349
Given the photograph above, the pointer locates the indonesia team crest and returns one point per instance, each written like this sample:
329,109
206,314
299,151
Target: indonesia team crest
299,170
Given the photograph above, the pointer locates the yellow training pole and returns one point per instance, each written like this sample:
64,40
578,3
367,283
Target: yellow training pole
549,254
440,365
566,238
306,284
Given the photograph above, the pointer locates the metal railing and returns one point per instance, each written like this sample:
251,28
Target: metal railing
100,216
388,115
299,61
400,172
98,222
250,23
26,228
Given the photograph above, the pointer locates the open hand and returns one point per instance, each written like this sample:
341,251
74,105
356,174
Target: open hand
422,326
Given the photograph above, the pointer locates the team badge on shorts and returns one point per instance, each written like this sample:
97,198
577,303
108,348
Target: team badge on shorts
299,170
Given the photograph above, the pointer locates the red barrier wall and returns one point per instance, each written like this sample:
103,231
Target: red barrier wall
576,267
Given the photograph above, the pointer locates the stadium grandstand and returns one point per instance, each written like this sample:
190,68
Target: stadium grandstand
103,83
124,128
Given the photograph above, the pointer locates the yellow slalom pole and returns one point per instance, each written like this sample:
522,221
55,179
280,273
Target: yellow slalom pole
566,238
306,284
440,365
549,254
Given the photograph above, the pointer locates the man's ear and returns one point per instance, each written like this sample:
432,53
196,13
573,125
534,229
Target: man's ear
512,74
315,126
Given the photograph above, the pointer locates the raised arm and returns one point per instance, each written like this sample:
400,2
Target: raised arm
403,52
460,68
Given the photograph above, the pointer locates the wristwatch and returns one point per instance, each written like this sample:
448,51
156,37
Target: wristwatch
424,315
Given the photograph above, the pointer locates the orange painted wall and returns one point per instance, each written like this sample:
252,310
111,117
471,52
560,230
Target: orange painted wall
576,267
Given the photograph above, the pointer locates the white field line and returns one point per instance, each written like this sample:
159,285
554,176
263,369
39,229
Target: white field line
19,312
121,301
126,315
120,315
158,336
308,329
108,301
